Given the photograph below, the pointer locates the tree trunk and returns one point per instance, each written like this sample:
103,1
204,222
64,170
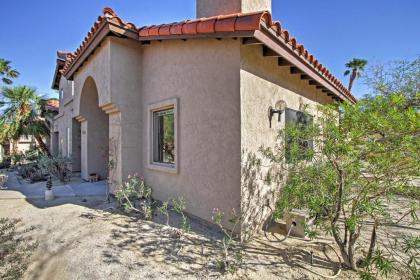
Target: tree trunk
372,241
14,146
352,78
42,145
342,246
350,251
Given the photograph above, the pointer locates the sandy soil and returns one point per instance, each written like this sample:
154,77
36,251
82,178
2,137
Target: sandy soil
85,238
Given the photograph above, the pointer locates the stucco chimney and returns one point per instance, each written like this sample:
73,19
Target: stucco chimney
208,8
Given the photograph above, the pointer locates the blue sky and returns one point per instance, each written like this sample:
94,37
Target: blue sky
334,31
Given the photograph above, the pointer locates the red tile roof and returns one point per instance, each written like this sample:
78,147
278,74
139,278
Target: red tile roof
53,103
214,25
62,55
224,23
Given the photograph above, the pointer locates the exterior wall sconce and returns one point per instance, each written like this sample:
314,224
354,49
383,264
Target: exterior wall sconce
278,109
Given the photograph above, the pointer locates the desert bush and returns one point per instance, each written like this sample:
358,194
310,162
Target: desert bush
55,165
135,196
15,249
232,251
358,164
32,155
17,158
164,210
179,205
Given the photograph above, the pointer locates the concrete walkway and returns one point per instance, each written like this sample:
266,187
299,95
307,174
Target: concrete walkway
22,189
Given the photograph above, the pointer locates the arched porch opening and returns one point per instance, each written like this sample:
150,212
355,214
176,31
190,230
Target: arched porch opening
94,133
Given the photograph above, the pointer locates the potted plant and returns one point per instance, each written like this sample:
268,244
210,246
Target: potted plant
49,194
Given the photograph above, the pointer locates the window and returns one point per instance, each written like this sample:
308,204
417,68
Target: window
60,95
303,146
163,136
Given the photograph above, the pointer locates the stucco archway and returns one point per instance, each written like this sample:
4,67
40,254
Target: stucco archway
94,132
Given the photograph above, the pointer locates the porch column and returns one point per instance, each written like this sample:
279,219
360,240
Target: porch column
115,159
83,147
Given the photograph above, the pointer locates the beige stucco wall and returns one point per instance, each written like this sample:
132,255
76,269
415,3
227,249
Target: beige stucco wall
263,83
223,90
203,75
23,145
126,67
98,67
115,69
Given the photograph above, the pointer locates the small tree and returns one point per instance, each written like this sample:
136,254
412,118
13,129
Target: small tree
354,168
21,116
402,76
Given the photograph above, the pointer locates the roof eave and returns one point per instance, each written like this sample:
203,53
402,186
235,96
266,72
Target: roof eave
270,40
218,35
57,76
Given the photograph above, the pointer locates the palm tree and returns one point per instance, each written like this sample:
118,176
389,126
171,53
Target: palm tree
21,108
355,68
6,72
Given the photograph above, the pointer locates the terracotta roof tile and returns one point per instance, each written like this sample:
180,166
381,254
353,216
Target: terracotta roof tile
224,23
62,55
53,103
207,25
189,28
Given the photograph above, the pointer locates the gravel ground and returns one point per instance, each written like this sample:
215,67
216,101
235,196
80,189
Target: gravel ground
82,237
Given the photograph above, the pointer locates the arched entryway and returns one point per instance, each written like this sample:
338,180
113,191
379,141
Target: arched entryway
94,133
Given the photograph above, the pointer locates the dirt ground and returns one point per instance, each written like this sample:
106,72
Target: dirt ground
87,238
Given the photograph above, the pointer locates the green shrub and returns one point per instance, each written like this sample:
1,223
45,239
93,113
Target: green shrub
56,166
135,196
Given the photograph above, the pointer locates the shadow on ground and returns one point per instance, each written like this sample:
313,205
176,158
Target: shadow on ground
76,192
195,254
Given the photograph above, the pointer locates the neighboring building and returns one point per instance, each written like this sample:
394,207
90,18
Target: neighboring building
4,151
24,144
186,104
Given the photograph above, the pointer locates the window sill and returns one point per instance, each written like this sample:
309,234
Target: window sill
162,167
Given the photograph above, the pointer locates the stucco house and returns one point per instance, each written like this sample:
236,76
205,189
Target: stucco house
184,104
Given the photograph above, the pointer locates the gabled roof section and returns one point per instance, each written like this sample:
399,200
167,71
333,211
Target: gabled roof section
253,28
62,57
107,24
